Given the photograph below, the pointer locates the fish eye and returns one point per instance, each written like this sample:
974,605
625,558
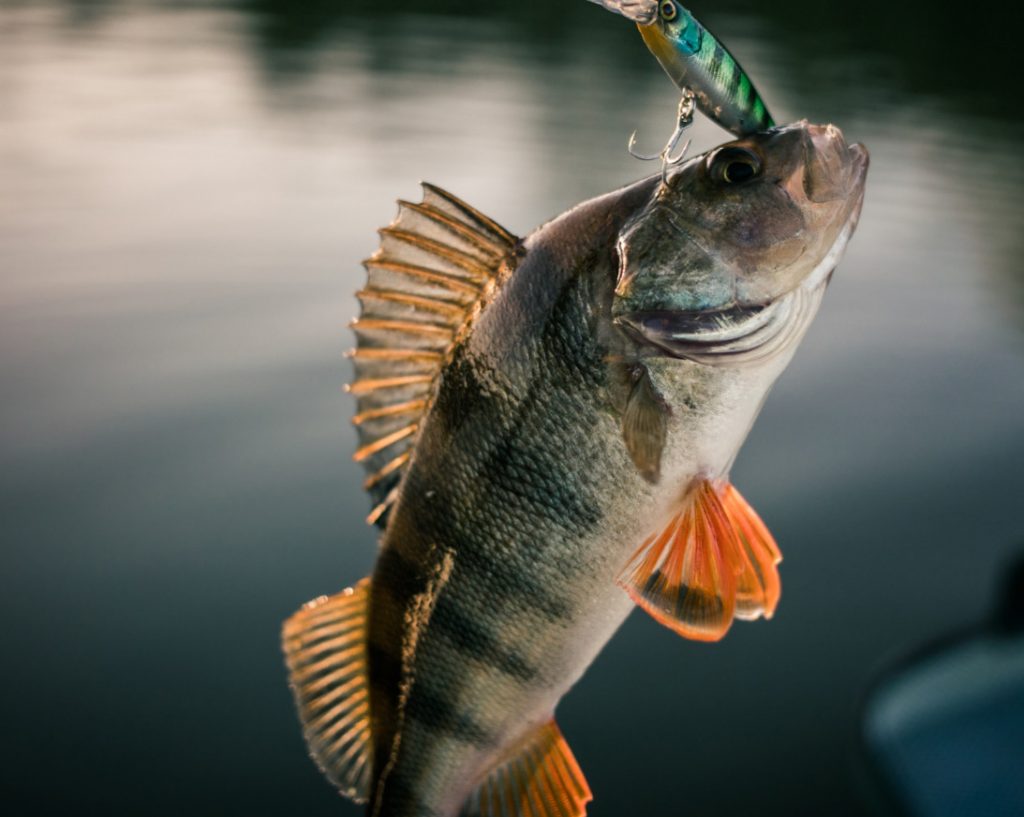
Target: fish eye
734,166
668,10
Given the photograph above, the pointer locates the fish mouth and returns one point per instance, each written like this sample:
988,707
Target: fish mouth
735,335
677,333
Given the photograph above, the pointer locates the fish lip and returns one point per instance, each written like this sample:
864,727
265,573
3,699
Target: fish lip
681,333
861,163
832,168
861,157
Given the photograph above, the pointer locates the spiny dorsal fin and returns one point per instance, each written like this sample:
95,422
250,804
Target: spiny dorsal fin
439,263
714,561
325,649
540,778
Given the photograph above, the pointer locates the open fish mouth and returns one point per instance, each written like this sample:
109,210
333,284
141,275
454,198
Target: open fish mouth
738,334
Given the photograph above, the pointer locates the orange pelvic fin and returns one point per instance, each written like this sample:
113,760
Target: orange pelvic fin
325,649
714,561
538,778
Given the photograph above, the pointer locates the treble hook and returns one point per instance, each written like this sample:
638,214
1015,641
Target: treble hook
684,118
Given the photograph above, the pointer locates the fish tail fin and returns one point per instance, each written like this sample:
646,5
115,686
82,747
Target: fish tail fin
539,777
324,645
714,561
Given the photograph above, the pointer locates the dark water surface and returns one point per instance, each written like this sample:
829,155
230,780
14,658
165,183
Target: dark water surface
185,194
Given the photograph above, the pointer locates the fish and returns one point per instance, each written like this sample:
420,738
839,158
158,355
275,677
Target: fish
697,61
547,425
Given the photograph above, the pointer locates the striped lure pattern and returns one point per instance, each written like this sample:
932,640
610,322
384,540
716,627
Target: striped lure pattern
696,60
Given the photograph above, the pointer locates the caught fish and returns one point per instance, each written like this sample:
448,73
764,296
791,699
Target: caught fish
547,426
697,61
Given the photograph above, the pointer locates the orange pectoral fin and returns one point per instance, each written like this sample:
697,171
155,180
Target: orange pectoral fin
714,561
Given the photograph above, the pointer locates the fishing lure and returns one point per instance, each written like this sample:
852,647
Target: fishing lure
698,64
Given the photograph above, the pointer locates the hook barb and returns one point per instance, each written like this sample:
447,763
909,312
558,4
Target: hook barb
631,148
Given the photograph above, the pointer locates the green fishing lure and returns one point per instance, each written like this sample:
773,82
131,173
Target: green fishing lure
697,62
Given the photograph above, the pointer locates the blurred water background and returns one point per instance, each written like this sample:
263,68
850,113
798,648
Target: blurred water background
185,193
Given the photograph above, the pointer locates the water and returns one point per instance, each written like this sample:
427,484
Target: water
185,192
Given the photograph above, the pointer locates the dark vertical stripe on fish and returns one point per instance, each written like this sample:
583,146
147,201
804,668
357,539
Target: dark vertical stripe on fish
400,797
504,582
468,633
507,586
432,710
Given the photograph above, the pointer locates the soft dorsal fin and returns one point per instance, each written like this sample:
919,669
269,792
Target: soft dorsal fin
438,264
714,561
539,778
325,649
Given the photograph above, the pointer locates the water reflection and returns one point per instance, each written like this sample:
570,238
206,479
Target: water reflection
184,195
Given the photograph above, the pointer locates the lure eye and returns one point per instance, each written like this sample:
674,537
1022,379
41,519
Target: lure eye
668,10
734,166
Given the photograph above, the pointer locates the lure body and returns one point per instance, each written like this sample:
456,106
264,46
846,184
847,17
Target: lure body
696,60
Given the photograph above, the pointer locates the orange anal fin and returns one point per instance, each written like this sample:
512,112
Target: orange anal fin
325,649
539,777
714,561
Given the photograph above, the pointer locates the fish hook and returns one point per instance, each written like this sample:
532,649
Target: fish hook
684,118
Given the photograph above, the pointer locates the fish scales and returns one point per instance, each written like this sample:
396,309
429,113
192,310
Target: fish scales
571,460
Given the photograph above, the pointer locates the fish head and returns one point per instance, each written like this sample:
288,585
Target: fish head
732,237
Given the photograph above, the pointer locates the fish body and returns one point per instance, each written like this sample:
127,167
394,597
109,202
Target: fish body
571,459
696,60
